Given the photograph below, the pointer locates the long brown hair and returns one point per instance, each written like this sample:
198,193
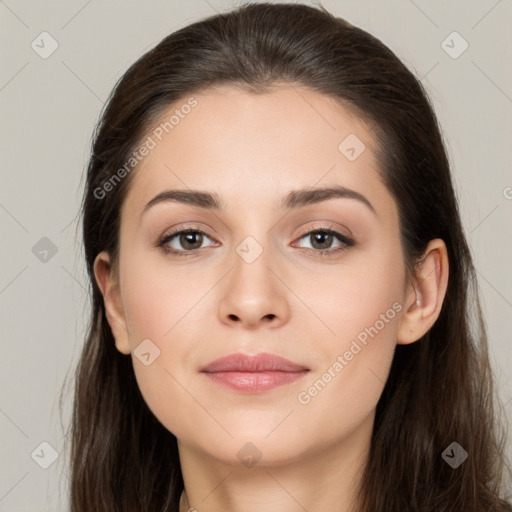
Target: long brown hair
439,390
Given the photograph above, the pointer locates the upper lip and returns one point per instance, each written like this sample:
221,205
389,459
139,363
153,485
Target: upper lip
263,362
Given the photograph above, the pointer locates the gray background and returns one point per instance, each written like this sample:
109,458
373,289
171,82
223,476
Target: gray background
49,107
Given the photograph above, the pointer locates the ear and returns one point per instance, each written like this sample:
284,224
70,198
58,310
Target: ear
109,286
424,297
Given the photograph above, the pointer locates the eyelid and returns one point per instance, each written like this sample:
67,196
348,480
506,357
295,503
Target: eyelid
325,227
182,229
347,241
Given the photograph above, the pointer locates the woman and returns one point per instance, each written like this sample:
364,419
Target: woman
284,307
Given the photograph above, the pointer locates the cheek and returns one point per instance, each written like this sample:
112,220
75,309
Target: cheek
362,311
343,393
155,300
365,294
163,314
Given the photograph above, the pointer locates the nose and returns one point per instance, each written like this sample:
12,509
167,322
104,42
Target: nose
254,295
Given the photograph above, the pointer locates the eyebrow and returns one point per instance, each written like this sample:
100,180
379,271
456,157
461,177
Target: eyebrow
294,199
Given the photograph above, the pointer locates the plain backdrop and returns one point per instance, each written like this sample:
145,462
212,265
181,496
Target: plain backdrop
49,107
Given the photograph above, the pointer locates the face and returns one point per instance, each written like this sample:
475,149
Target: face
320,282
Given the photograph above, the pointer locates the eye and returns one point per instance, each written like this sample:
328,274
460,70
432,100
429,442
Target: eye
191,240
321,241
186,242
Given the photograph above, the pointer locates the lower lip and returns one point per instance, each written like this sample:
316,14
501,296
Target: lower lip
254,381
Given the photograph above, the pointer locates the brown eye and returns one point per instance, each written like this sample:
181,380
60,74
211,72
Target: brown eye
183,241
191,241
321,240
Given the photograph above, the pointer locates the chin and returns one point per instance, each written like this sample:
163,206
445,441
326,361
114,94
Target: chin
252,447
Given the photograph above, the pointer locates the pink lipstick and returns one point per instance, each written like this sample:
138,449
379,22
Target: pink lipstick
252,374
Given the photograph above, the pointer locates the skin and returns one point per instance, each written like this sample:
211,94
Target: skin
251,150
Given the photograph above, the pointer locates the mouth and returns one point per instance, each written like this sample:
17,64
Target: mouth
253,373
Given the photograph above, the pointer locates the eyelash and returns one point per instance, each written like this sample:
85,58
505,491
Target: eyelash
346,242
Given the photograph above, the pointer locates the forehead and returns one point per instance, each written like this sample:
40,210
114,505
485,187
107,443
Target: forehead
243,145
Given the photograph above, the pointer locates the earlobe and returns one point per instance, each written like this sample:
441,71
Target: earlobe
424,298
109,288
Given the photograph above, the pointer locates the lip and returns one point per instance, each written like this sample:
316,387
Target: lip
257,373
